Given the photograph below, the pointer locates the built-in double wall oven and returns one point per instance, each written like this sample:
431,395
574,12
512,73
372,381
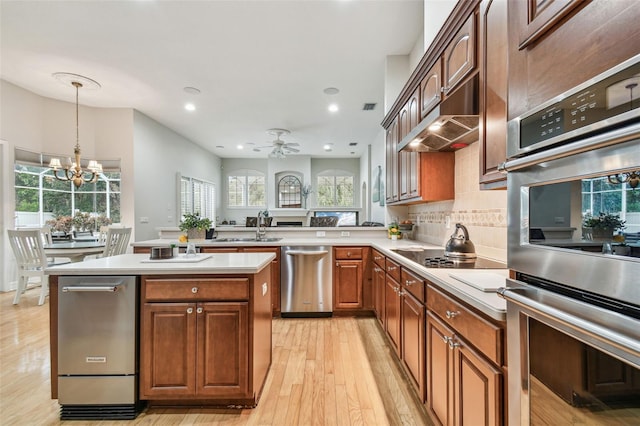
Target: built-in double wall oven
573,302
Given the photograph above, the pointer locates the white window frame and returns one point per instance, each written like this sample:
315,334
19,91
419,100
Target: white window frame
334,174
196,196
245,175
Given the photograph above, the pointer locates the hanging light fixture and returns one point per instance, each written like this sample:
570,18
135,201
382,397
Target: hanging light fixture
630,178
72,171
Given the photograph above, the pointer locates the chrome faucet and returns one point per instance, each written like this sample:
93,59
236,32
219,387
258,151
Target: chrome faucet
261,230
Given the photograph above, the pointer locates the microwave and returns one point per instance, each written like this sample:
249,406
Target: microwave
605,102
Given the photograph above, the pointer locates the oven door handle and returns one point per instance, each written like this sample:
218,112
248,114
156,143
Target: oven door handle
574,315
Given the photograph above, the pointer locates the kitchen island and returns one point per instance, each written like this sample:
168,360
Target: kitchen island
203,325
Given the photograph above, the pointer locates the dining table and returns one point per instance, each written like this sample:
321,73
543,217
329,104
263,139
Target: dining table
75,251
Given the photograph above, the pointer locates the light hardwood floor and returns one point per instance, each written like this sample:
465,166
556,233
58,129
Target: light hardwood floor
335,371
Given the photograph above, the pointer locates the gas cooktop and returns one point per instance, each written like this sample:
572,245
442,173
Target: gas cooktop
435,258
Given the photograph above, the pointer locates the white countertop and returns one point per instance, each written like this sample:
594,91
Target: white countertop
487,302
135,264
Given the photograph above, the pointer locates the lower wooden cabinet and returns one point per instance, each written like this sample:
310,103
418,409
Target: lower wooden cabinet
412,340
349,279
195,350
392,307
379,285
463,388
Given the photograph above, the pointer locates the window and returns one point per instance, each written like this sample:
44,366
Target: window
289,192
197,196
335,188
41,197
246,189
598,195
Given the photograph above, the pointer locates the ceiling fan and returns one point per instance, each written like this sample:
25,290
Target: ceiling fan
280,148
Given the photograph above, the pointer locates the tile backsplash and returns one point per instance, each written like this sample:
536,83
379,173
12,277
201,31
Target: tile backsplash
483,213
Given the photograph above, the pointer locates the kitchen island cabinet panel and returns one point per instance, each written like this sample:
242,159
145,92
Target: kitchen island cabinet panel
169,350
223,352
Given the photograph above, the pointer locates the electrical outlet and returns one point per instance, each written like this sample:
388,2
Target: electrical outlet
447,222
344,234
144,219
320,234
559,219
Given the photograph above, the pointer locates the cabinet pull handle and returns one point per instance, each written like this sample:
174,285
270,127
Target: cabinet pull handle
199,310
392,268
194,290
189,310
402,293
453,344
410,282
446,339
452,314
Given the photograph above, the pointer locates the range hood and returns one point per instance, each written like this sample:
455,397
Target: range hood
453,124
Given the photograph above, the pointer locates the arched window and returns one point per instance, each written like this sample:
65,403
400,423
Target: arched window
289,192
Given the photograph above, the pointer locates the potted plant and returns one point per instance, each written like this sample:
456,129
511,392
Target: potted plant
195,226
602,226
394,231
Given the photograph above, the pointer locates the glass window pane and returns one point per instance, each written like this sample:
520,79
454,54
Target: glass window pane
256,188
27,200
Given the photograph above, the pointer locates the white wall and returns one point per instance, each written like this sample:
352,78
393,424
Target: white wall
435,13
159,154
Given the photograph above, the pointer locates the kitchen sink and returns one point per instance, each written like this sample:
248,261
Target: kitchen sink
241,240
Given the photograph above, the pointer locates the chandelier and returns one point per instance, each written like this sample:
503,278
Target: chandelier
72,171
630,178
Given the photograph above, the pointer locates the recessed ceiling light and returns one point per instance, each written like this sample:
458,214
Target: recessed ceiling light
240,147
190,107
327,147
333,108
192,90
331,91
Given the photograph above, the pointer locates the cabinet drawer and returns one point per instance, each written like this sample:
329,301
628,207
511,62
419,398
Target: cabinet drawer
485,336
213,289
348,253
378,258
413,284
393,269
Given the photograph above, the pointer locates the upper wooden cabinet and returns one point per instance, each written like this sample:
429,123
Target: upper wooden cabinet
459,59
391,181
431,89
543,15
493,92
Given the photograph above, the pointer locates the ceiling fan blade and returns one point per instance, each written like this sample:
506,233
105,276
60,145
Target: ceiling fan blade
291,149
291,144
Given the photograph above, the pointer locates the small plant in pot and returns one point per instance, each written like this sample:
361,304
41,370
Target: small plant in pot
195,226
602,226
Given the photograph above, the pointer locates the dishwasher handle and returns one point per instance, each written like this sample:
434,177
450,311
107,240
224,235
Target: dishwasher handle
306,252
91,288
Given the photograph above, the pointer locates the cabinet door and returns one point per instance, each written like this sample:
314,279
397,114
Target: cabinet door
275,275
431,89
460,55
493,92
413,343
223,350
544,15
439,370
348,284
391,181
392,312
168,350
478,388
379,292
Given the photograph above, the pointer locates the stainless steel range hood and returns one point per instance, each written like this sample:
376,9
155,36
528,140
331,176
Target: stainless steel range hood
453,124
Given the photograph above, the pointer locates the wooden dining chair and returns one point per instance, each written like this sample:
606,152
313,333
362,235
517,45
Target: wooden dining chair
31,259
116,241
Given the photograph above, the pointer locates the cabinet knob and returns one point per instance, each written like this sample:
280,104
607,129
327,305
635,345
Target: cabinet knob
189,310
348,254
452,314
446,339
453,344
194,290
199,310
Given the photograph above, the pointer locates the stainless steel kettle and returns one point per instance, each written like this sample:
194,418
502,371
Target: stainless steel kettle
459,244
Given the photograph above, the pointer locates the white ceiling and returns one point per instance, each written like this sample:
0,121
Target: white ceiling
258,64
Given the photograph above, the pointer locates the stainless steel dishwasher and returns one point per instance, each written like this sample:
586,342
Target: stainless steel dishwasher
98,347
306,281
